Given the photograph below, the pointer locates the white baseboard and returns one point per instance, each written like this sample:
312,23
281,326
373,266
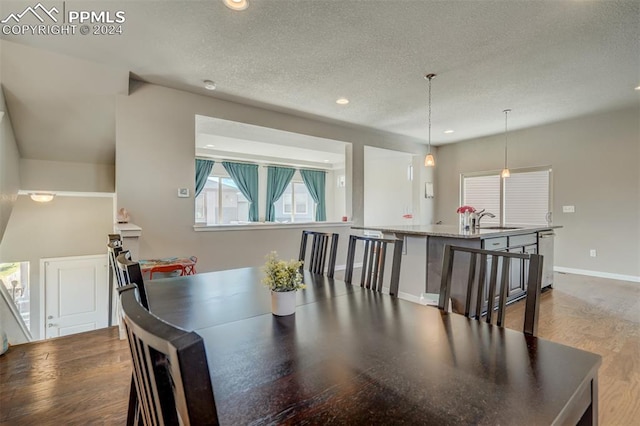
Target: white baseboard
598,274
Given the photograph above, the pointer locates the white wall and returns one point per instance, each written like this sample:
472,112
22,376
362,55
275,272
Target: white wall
67,226
596,168
155,133
388,193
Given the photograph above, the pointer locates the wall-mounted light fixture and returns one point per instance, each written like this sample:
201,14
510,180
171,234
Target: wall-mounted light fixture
42,197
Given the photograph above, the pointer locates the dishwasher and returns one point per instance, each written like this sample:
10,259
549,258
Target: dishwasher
545,248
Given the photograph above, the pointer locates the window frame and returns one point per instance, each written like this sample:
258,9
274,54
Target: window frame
502,188
294,210
219,215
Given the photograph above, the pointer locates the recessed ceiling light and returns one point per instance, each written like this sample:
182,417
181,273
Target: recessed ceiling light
236,4
209,146
448,132
342,101
326,161
209,85
637,88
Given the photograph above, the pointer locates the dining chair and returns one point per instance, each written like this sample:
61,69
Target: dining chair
114,248
318,258
170,369
132,274
374,255
481,288
167,269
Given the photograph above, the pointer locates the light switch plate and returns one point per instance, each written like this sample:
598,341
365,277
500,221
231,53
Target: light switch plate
183,192
568,209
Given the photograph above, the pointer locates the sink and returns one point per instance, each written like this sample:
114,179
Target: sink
499,227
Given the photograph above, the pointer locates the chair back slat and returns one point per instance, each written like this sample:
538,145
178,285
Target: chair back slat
132,274
374,258
171,373
481,289
322,255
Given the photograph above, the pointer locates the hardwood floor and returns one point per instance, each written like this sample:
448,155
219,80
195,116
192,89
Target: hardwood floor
84,379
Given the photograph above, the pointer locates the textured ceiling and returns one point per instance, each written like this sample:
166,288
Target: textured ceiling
546,60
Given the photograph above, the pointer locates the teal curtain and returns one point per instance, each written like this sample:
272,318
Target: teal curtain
203,170
277,180
314,180
246,177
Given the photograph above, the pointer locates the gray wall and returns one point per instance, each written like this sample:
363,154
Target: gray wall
155,149
66,176
67,226
9,166
596,166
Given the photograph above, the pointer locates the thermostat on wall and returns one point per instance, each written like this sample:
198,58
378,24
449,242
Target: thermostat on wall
183,192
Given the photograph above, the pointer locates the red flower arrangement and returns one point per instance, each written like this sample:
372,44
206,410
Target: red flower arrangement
465,209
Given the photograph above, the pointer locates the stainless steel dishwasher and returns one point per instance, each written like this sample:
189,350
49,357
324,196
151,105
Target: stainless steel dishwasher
545,248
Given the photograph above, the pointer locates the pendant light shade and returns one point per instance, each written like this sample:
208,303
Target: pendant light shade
429,160
505,172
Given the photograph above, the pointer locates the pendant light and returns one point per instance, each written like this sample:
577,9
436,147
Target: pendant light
429,160
505,172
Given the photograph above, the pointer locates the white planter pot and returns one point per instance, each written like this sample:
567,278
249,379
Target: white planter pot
283,302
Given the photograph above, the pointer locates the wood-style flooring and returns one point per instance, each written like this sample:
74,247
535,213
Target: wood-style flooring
84,379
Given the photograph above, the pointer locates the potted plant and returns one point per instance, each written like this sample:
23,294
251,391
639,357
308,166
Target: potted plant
283,279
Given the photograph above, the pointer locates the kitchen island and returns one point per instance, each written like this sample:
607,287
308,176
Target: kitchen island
424,246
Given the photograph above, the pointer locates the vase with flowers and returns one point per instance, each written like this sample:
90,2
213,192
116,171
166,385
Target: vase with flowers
283,279
465,216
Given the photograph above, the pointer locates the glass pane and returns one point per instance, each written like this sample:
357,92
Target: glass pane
235,207
207,202
303,203
283,207
527,198
483,192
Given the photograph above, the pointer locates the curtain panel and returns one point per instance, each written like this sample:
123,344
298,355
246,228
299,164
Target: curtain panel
203,170
246,177
277,180
314,180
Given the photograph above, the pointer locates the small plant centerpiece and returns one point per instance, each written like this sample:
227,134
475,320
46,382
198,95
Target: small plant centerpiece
283,279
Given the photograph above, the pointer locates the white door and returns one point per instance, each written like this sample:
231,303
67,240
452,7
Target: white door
76,295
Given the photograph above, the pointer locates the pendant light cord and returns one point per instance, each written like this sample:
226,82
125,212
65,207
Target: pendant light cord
430,114
506,112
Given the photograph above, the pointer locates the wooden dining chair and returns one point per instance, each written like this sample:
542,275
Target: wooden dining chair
374,255
132,274
170,369
167,269
114,248
318,256
481,287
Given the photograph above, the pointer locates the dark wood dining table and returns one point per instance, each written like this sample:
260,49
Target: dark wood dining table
352,356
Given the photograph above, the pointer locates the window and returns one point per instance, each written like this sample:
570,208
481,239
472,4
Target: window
221,202
295,204
523,198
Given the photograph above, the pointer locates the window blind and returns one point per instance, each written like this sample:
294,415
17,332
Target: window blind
483,192
527,198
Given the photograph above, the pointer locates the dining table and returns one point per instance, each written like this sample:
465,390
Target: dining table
350,355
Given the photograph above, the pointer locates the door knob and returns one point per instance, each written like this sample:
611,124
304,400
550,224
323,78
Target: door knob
52,325
50,317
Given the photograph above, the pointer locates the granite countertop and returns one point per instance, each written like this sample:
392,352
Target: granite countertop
456,232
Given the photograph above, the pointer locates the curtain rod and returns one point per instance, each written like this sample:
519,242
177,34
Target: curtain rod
263,165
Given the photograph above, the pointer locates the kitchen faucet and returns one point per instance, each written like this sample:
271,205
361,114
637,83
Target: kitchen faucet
483,214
